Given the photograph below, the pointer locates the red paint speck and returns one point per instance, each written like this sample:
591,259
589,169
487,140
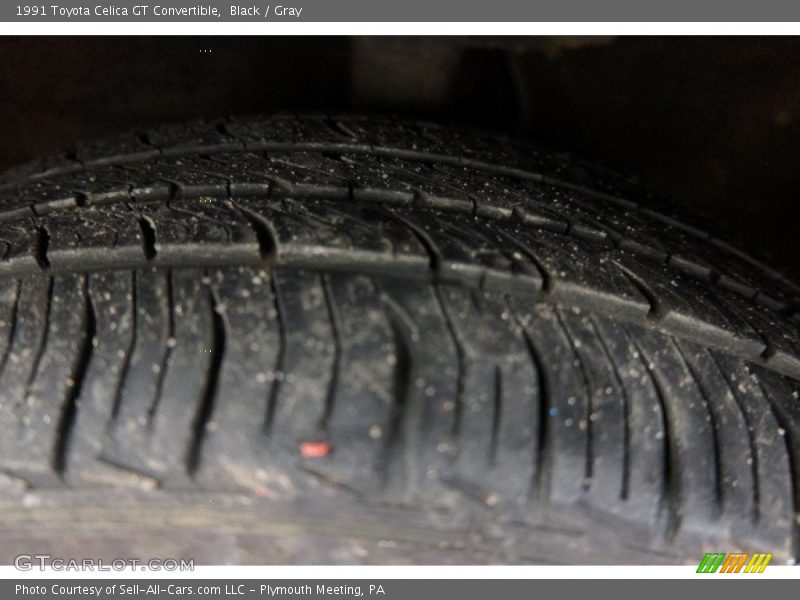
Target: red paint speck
314,449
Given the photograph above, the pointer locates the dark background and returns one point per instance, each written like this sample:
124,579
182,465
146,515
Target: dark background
713,123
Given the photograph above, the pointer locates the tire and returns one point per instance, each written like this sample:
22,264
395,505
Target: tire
350,340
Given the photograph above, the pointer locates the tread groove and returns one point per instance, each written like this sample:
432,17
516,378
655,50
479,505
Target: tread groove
543,434
547,278
167,351
434,254
497,412
336,329
458,402
265,234
403,419
123,374
671,496
754,467
12,329
206,406
280,360
41,246
587,387
657,310
718,491
626,403
68,412
45,332
148,229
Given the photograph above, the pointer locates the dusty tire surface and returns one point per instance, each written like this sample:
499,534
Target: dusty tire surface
341,339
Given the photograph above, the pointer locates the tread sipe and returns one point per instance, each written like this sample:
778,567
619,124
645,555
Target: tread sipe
429,345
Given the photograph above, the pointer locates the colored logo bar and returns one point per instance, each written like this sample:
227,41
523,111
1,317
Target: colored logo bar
735,562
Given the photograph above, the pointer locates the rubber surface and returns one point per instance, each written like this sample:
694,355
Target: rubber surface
380,316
